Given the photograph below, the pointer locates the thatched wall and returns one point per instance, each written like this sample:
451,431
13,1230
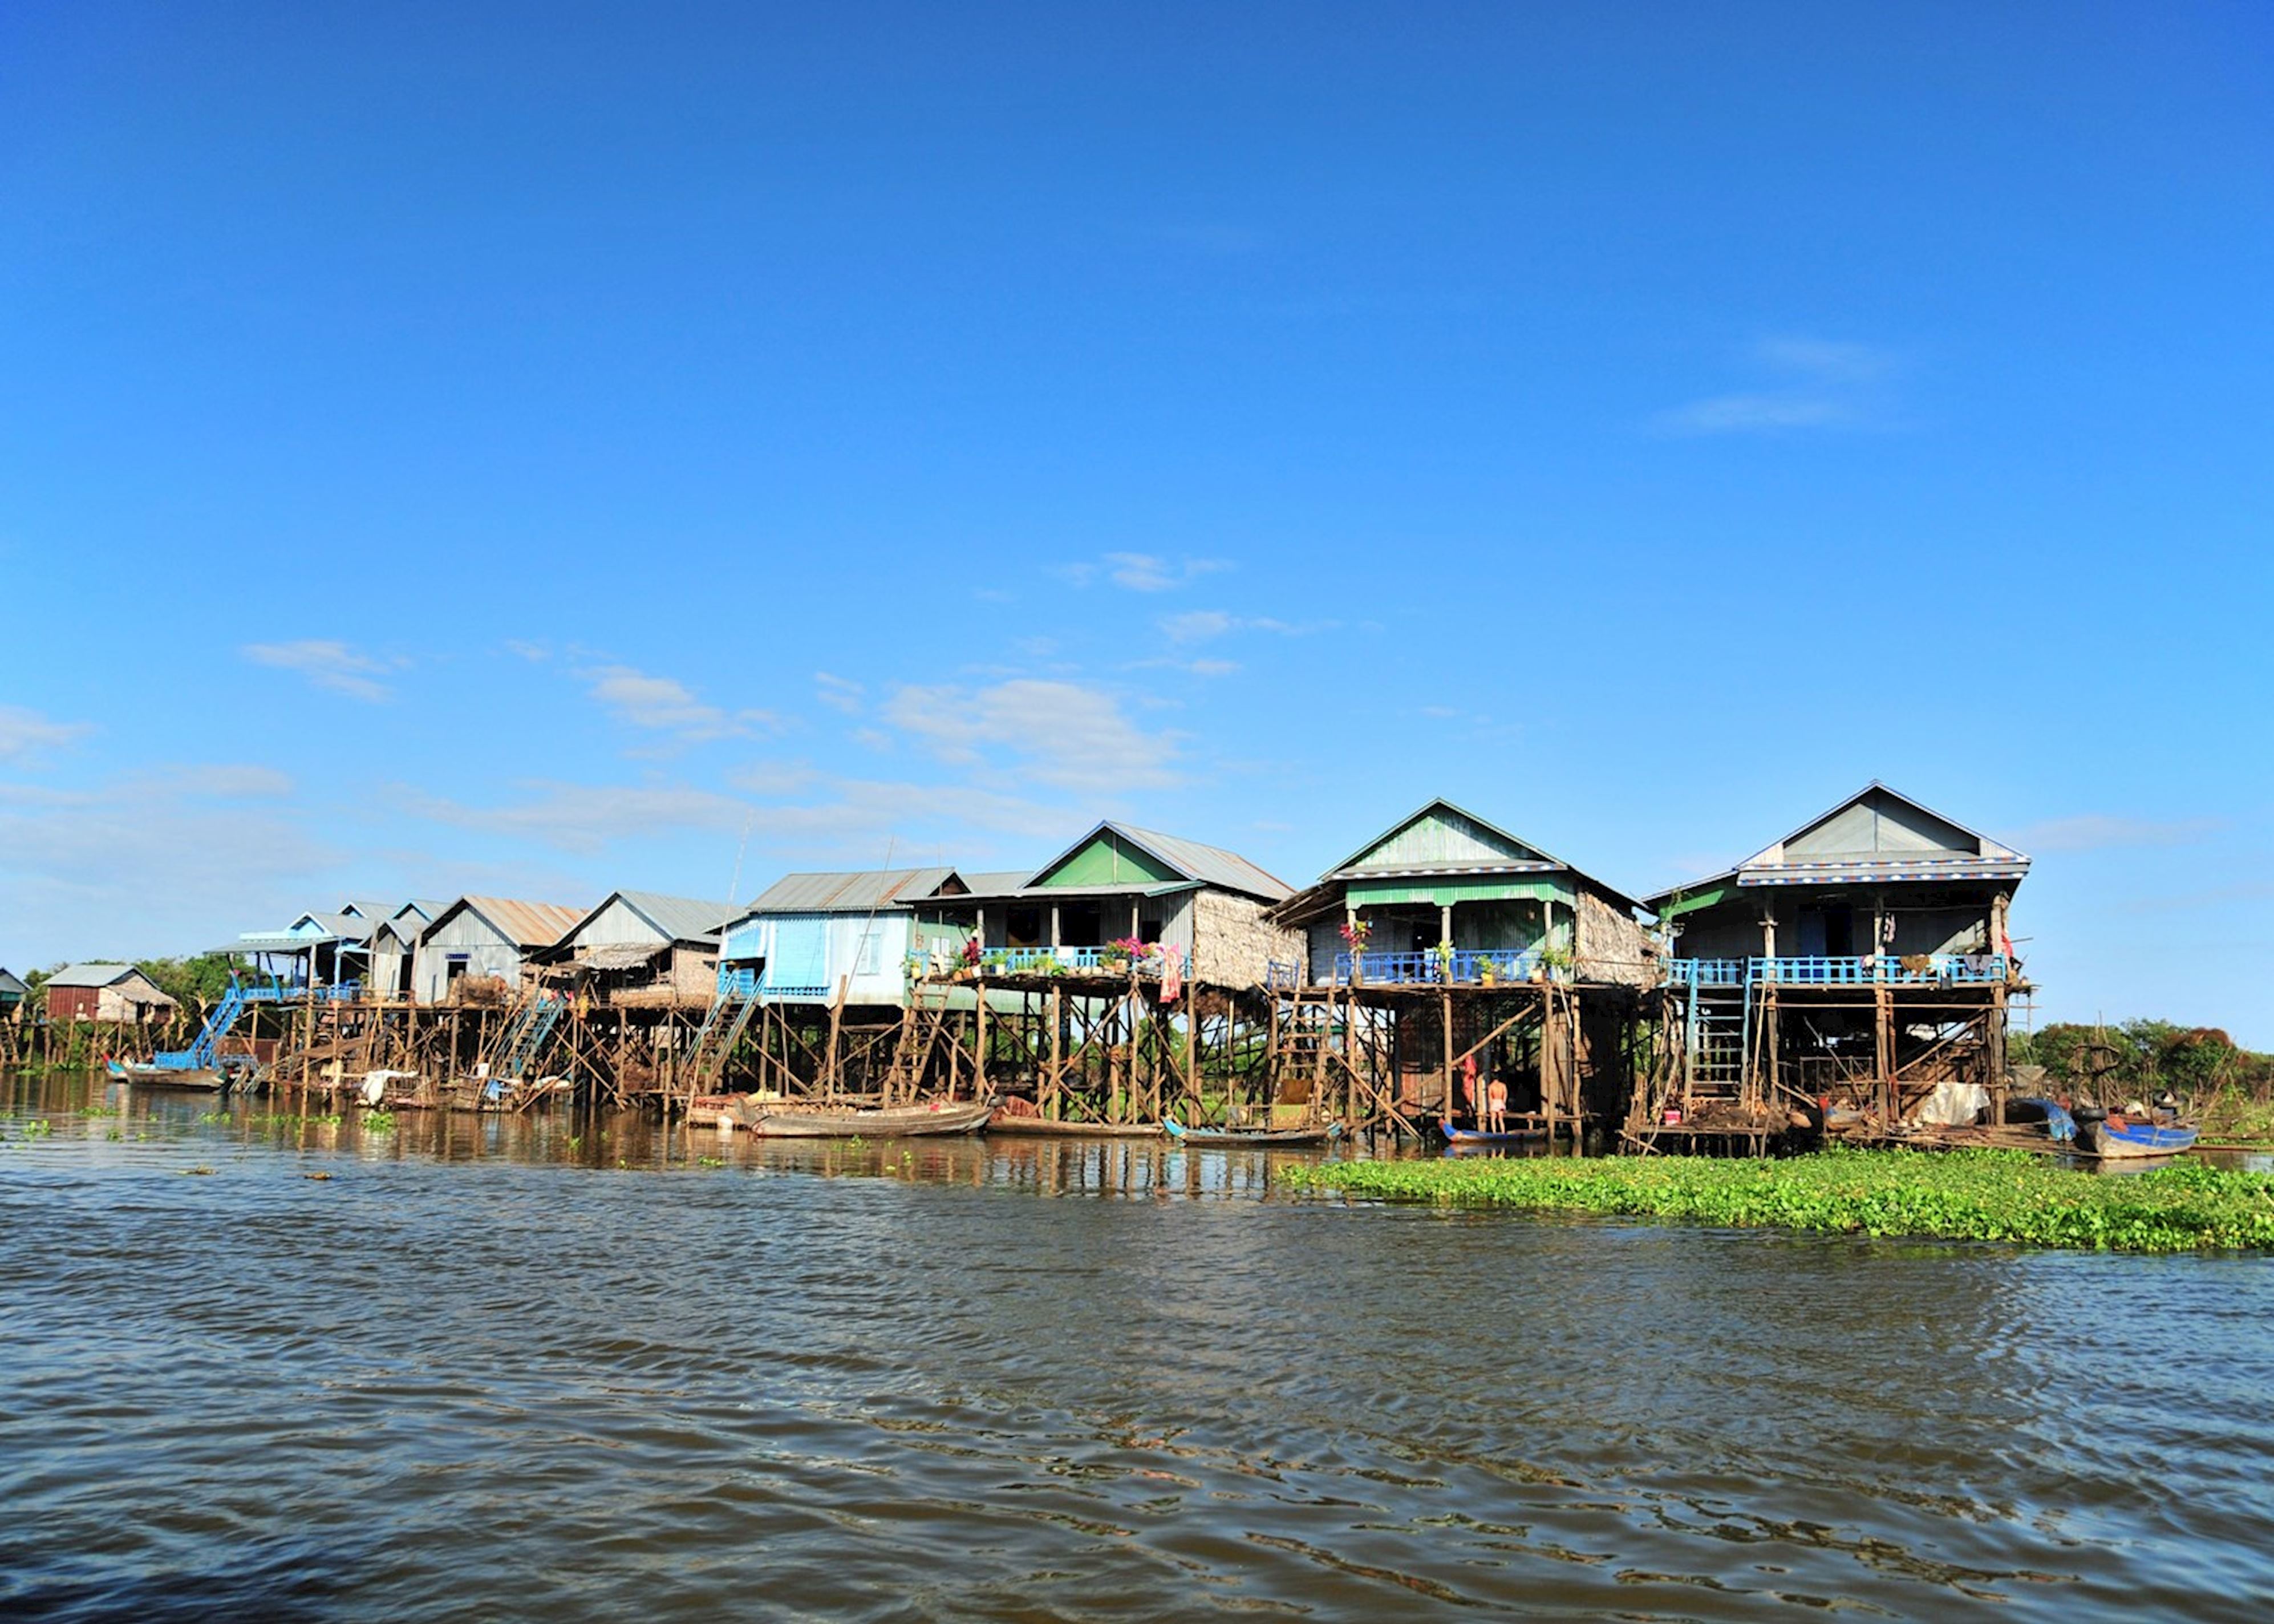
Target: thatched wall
1612,947
1231,944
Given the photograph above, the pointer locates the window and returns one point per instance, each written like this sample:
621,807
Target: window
865,961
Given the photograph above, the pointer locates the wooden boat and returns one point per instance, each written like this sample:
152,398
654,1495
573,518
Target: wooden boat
148,1076
1478,1135
1042,1127
1261,1137
2129,1138
779,1119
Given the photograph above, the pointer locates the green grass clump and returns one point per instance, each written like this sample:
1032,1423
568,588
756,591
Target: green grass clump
1961,1196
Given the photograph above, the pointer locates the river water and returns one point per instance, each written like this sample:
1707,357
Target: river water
509,1370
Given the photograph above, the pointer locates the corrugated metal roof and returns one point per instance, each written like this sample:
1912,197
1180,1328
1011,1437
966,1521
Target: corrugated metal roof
682,919
364,908
525,925
1209,864
998,882
864,891
90,975
345,927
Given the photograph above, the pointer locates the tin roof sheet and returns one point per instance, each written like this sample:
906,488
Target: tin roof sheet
861,891
525,925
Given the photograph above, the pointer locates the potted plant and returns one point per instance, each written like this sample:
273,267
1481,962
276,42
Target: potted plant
1355,933
1557,962
1444,961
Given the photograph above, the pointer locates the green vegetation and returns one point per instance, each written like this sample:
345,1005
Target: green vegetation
377,1122
2141,1057
1968,1196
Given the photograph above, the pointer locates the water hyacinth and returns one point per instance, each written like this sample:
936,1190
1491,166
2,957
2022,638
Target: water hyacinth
1968,1195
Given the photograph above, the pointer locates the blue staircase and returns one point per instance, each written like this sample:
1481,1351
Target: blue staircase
205,1049
1721,1027
526,1038
723,1024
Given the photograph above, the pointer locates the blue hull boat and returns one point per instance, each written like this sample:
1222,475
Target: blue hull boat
2115,1140
1478,1135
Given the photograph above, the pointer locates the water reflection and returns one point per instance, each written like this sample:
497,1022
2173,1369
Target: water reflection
539,1368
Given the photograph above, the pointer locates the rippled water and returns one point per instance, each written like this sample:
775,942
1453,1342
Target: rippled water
509,1370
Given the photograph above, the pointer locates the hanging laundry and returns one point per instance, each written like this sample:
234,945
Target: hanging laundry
1172,974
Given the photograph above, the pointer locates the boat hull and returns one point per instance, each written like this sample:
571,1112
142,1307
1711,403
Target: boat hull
1474,1136
1042,1128
203,1078
776,1122
2136,1141
1256,1137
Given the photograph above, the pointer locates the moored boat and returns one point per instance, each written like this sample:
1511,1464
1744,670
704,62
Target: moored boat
1479,1136
1317,1134
782,1121
2121,1137
142,1072
1042,1127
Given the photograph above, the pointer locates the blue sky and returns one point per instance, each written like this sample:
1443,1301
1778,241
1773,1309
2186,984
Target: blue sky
544,448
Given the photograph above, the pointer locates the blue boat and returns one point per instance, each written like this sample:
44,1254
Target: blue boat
2060,1127
2122,1139
1478,1135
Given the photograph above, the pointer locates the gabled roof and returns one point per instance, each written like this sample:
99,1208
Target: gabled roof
1519,856
1199,864
1478,848
853,891
365,908
343,927
525,925
1878,835
676,918
92,975
11,982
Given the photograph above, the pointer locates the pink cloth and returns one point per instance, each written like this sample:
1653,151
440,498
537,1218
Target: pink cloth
1172,974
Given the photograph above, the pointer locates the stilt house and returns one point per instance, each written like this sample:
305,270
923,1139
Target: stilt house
1863,957
641,947
808,936
1443,895
1120,883
105,992
484,936
394,948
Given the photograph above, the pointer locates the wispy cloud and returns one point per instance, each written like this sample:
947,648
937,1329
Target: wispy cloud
838,692
1146,573
1810,383
1201,625
584,817
2097,832
1059,733
664,705
26,735
337,667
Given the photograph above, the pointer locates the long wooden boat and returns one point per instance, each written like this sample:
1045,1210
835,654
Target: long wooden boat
141,1072
1478,1135
1260,1136
2128,1139
775,1120
1042,1127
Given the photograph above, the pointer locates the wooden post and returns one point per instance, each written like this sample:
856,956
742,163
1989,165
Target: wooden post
836,1023
1551,1059
979,1059
1057,1054
1445,1049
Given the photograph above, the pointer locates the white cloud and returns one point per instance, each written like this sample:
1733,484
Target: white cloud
1147,572
1825,383
334,666
586,818
838,692
1059,733
170,861
1199,625
2097,832
664,705
25,735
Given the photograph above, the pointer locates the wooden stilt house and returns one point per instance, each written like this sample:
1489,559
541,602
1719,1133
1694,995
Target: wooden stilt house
1864,959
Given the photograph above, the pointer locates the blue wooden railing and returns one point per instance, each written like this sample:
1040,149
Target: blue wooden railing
1461,964
1020,961
1881,970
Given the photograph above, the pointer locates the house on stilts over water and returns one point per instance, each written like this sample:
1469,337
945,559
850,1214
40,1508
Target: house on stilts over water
1860,967
1448,965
